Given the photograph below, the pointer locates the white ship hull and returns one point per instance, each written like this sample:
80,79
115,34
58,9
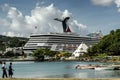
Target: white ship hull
57,42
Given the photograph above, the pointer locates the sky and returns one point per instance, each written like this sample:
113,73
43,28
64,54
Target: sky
24,17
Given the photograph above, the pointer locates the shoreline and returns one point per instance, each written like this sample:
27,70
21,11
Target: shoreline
58,61
59,78
86,59
17,60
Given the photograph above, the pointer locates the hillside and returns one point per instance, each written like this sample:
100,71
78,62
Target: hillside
6,41
110,44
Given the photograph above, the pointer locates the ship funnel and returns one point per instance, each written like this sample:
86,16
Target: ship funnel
64,24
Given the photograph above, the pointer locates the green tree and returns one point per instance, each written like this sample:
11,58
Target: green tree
65,54
9,54
39,54
114,49
109,44
6,41
52,53
2,46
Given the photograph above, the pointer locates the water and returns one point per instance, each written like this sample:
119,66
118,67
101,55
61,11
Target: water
59,70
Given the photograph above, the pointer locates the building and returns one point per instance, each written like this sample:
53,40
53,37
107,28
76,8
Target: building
82,48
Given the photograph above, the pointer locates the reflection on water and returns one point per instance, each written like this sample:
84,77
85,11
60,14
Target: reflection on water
61,76
59,70
115,73
105,74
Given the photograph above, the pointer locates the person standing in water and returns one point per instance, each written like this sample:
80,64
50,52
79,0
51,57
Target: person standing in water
4,70
10,70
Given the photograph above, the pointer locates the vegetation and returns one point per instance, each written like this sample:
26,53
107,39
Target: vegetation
6,41
65,54
40,54
9,54
109,45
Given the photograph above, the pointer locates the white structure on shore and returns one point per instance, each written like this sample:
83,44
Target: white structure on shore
82,48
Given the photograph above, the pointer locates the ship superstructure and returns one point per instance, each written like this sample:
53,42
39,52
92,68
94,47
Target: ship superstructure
66,41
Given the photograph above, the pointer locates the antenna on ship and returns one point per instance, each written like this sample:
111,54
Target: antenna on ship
64,24
35,30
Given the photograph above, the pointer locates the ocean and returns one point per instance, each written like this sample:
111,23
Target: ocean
61,69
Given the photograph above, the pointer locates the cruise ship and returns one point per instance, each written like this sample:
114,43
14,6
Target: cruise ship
66,41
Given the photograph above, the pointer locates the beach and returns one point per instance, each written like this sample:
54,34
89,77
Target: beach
60,79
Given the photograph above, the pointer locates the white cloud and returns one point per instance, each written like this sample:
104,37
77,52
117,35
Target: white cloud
4,22
107,3
42,17
117,2
16,18
102,2
66,13
12,34
78,27
40,3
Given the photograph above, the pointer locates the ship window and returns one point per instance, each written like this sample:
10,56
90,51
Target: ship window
50,44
